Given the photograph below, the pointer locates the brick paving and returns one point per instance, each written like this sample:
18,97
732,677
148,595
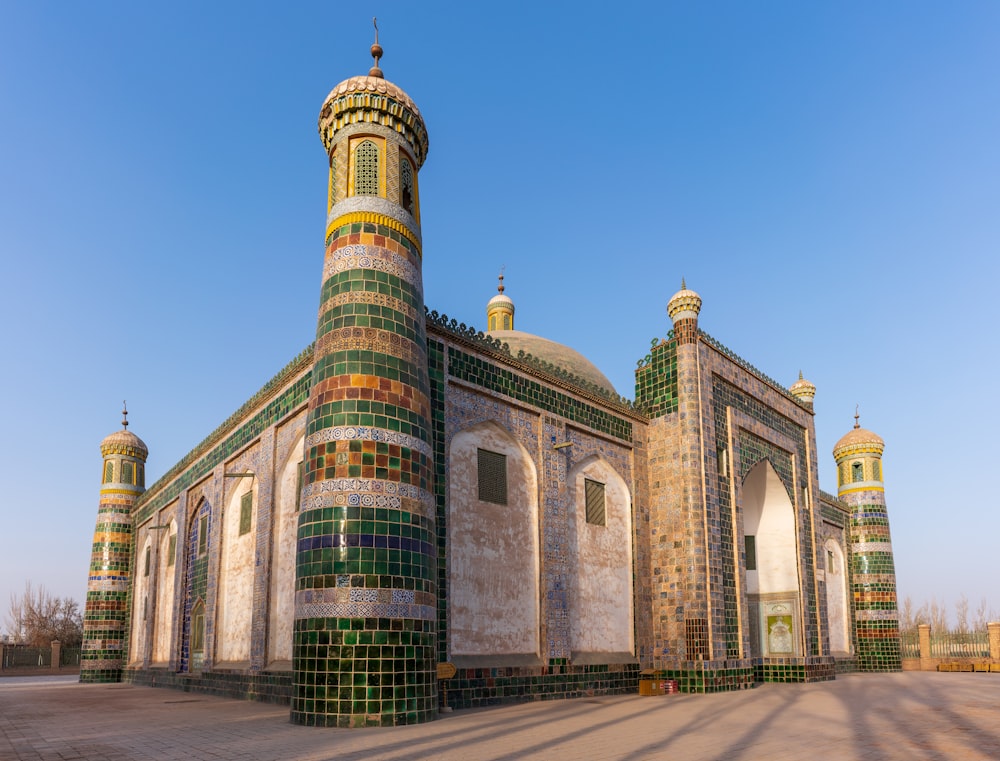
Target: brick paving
911,715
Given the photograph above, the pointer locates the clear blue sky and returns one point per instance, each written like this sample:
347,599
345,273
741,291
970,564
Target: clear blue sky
826,175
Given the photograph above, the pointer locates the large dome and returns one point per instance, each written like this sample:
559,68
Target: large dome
554,353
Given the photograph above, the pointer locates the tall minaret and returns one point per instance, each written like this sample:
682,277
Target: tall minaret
105,616
873,573
364,643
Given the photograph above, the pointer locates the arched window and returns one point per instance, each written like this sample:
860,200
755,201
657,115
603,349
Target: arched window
493,326
857,472
506,322
406,194
198,630
109,471
876,471
128,472
366,169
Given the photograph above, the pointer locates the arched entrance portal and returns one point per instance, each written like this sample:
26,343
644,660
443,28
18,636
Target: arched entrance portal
772,571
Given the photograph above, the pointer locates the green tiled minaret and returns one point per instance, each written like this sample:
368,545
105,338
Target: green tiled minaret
873,572
365,601
105,615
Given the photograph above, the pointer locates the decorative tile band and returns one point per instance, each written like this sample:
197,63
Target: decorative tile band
368,339
361,256
365,610
364,433
374,210
867,547
366,486
341,595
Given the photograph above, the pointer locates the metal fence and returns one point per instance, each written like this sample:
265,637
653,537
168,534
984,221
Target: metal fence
960,645
20,656
910,644
69,656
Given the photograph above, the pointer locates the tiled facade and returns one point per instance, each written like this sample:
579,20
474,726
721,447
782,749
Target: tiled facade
351,614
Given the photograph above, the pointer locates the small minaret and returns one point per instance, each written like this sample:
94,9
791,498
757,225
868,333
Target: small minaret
105,618
683,309
500,310
873,572
804,391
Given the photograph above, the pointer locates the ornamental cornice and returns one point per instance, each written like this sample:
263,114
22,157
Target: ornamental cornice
853,450
366,100
345,213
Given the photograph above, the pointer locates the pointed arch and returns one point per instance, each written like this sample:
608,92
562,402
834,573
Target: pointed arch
600,559
837,608
281,616
234,606
140,602
163,620
197,547
493,569
771,563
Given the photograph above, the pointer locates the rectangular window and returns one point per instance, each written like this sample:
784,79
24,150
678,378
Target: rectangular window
145,564
246,512
172,549
492,477
723,455
750,545
203,535
594,496
109,471
128,471
857,472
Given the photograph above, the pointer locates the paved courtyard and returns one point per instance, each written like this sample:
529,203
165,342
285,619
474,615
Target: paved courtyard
911,715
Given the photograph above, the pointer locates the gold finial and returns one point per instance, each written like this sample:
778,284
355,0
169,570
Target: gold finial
124,416
375,71
800,375
500,286
683,285
856,416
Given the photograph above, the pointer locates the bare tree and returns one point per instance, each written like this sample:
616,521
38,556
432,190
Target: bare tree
934,614
907,620
36,618
962,614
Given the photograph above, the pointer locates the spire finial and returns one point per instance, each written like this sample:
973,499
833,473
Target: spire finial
375,71
856,416
500,286
683,285
800,375
124,416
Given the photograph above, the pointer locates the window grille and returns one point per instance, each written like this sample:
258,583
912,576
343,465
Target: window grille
246,512
492,477
595,502
366,169
750,546
406,184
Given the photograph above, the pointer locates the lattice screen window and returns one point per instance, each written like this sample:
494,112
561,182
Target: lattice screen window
857,472
492,477
406,184
595,501
366,169
876,471
109,471
128,472
246,512
140,477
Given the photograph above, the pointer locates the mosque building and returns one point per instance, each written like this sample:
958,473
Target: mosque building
413,514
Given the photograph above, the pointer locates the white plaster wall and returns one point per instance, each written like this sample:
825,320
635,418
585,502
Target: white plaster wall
235,606
601,564
137,635
281,616
768,514
836,598
493,550
165,603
